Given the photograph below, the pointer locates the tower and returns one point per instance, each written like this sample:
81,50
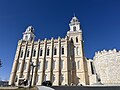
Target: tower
79,64
28,35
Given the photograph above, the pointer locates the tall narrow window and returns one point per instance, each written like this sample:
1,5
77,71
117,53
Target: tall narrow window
76,39
48,50
62,78
21,54
74,28
41,51
16,78
92,70
34,53
71,40
76,50
28,51
55,51
78,64
46,64
39,65
62,50
53,78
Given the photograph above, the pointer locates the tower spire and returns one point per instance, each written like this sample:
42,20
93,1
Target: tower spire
74,14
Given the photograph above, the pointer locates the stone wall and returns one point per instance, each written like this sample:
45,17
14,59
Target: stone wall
107,65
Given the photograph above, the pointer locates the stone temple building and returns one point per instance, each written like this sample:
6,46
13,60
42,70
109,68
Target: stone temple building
62,60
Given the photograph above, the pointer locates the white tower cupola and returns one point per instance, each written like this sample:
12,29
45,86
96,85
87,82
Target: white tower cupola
74,24
28,35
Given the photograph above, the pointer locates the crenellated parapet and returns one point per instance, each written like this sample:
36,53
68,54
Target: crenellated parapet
106,52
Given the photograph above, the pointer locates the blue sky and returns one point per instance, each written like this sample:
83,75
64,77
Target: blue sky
100,20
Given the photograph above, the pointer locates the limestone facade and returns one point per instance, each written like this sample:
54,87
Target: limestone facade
60,61
107,66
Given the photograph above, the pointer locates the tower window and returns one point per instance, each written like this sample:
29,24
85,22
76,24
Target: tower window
39,63
71,40
76,39
25,65
21,55
62,50
16,78
74,28
26,37
62,78
34,53
48,50
28,51
41,52
55,51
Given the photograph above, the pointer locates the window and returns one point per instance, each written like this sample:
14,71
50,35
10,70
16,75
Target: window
76,39
46,64
34,53
21,54
16,78
54,64
55,51
41,52
53,78
71,40
28,51
62,50
74,28
76,50
62,63
39,63
48,50
26,37
92,70
62,78
78,64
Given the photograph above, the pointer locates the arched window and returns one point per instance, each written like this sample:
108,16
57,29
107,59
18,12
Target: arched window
78,64
34,53
74,28
28,52
21,54
77,50
46,64
41,51
55,51
76,39
48,50
62,50
54,64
